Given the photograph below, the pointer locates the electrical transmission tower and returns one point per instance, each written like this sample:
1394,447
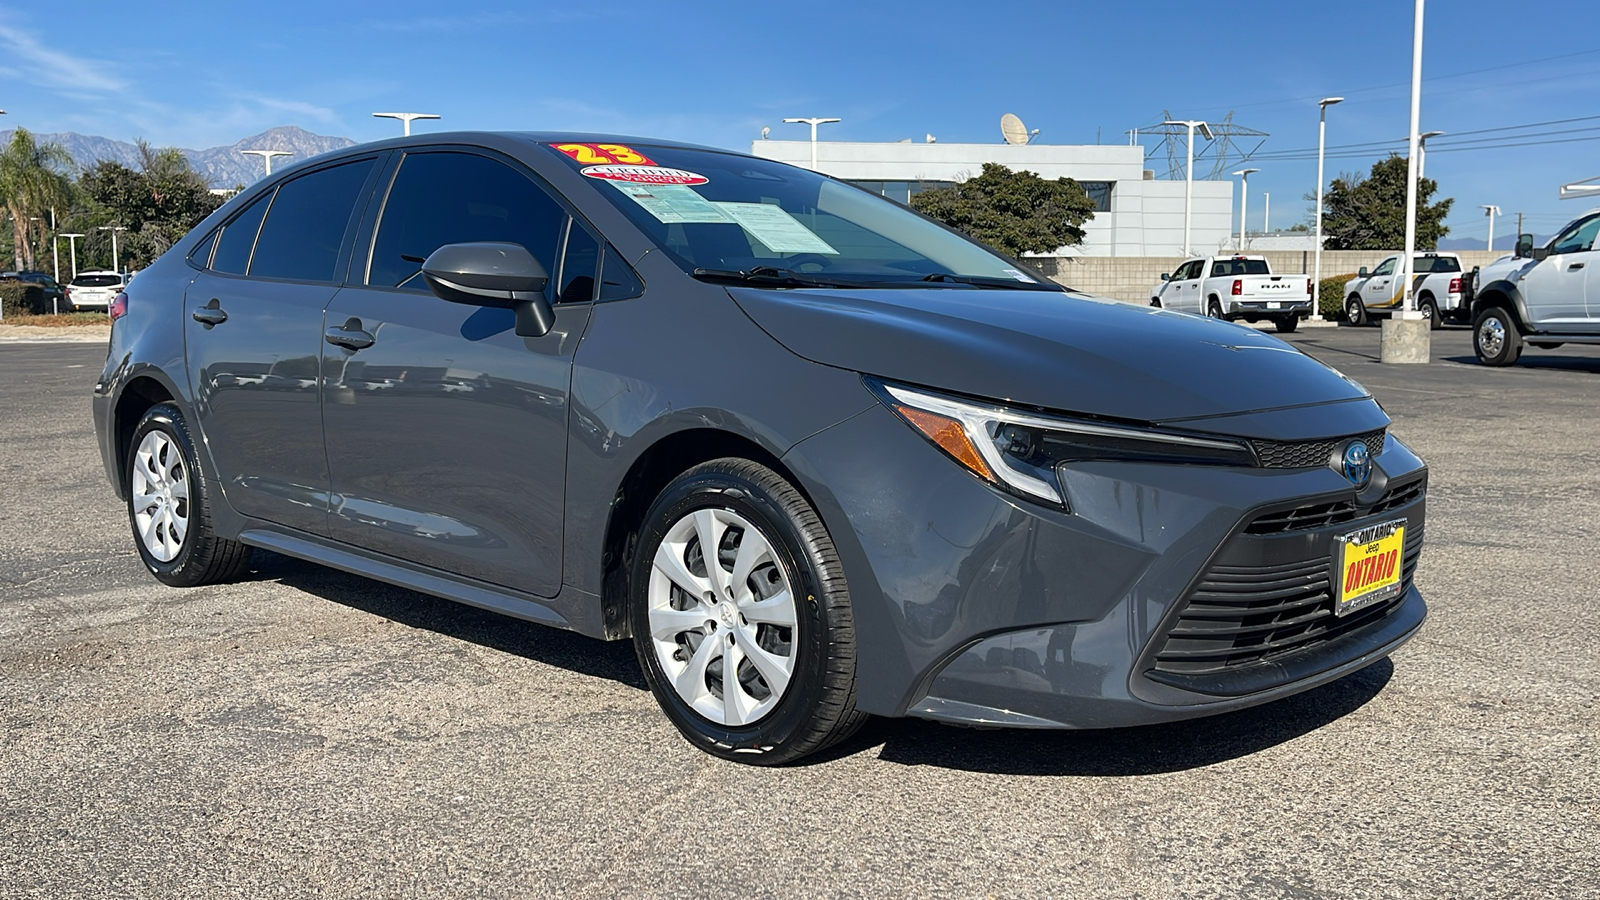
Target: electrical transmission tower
1228,149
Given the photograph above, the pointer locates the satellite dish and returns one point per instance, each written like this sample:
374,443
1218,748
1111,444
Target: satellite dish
932,139
766,130
1012,128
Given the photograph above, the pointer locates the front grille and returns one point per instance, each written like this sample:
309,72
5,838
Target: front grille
1243,615
1321,515
1310,454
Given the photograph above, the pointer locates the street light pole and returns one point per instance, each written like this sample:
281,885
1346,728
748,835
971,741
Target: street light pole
267,155
813,122
1244,201
1408,303
1322,143
114,254
72,245
1491,212
1188,179
1266,214
1422,152
406,118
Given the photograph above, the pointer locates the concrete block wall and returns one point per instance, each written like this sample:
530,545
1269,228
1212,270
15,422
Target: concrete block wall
1131,278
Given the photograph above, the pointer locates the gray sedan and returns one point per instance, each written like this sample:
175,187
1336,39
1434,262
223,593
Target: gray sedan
817,456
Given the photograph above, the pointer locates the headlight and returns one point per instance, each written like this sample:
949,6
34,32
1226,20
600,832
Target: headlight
1021,451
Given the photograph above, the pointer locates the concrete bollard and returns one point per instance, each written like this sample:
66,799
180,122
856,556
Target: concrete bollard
1406,339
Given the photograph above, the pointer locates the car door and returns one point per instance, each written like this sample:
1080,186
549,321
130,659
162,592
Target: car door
1555,289
446,432
1379,289
1186,286
253,337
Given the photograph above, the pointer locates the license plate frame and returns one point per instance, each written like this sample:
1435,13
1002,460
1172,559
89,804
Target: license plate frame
1368,566
1274,304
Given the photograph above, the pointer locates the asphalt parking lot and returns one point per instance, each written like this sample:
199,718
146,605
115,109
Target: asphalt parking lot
311,733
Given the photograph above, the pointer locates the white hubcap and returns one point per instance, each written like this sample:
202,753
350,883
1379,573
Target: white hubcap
722,617
160,496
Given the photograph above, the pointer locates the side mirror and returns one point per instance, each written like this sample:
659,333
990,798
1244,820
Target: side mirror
1362,273
494,274
1524,245
1165,277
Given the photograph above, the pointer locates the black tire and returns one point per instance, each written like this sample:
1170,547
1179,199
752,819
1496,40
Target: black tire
203,557
1354,312
1214,308
817,709
1495,338
1430,311
1286,324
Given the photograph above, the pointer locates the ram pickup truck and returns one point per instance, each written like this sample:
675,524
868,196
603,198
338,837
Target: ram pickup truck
1437,287
1233,288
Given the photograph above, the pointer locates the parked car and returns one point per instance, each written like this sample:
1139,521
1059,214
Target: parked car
55,296
1437,284
1233,288
817,456
95,290
1539,296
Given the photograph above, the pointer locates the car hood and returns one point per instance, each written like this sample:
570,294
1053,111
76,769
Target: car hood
1067,352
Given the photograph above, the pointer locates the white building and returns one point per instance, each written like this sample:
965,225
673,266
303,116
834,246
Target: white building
1137,216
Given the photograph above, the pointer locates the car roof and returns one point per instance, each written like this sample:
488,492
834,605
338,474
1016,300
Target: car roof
97,272
490,138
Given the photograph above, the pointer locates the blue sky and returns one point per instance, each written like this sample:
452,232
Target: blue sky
199,75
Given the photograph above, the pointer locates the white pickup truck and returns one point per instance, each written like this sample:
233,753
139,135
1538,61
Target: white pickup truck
1235,287
1437,280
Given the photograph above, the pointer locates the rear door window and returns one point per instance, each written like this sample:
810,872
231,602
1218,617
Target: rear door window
306,224
239,237
440,198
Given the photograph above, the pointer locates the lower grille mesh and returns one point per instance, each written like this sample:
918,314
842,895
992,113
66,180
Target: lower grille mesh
1310,454
1240,615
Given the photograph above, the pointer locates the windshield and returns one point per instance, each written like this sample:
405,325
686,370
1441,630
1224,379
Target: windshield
96,281
725,214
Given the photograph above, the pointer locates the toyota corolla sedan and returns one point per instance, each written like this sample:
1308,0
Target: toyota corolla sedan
817,456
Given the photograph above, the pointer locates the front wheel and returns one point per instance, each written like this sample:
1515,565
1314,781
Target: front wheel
1495,338
741,617
169,506
1354,311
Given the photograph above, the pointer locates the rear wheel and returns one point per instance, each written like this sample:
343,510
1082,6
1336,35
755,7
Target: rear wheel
1430,311
1495,337
1286,324
741,617
1354,312
1214,309
169,506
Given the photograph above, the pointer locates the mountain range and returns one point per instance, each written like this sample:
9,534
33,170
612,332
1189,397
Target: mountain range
222,167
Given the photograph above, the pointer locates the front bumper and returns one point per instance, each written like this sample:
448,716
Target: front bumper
973,606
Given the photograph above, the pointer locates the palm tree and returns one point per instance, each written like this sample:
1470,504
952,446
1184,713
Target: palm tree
30,184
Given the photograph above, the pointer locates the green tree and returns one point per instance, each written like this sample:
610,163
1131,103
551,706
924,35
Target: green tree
1369,212
157,204
1014,212
31,184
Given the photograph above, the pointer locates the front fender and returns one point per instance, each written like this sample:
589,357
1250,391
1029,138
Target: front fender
1503,293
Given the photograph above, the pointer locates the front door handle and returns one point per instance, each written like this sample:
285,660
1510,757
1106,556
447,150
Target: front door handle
210,314
349,335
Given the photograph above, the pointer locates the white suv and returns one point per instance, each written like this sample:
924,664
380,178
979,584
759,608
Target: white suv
1540,296
94,290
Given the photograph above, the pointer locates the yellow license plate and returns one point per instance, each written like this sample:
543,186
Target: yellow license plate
1370,561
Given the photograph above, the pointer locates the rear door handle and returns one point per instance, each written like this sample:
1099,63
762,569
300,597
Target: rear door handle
349,335
210,314
1574,267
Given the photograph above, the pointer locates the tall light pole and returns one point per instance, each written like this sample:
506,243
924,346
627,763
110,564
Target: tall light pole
1244,198
1266,214
113,229
1491,212
406,118
267,155
1422,151
813,123
1188,179
1407,333
1316,252
72,245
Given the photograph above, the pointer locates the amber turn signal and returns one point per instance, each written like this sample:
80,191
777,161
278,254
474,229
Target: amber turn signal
950,436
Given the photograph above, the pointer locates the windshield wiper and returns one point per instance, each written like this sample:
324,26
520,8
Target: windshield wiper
991,281
773,275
